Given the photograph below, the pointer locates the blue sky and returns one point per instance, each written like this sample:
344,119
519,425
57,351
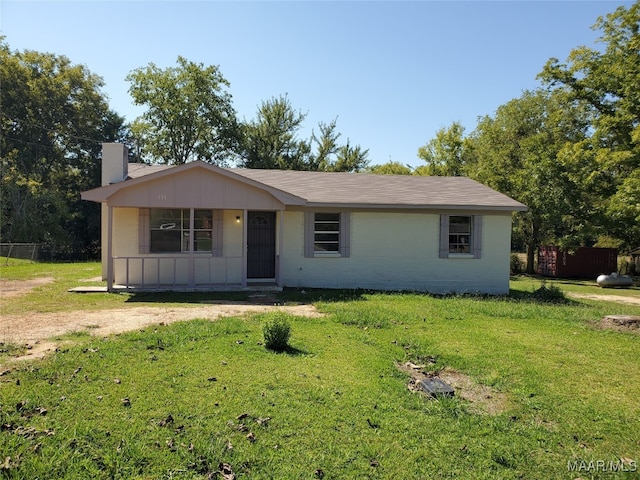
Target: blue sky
392,73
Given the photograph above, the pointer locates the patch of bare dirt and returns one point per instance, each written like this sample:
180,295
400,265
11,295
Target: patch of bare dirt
482,398
13,288
37,331
607,298
620,323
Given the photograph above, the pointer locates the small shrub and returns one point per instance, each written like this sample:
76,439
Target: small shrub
550,294
517,265
276,331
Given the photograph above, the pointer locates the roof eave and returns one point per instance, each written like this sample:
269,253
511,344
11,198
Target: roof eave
396,206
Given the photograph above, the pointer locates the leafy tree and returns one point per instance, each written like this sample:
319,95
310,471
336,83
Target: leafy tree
189,113
391,168
528,151
350,159
608,80
326,146
54,118
444,154
271,141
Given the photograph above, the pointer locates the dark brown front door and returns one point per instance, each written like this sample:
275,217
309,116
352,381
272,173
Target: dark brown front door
261,245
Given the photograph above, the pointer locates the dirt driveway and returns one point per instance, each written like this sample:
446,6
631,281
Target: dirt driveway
38,330
607,298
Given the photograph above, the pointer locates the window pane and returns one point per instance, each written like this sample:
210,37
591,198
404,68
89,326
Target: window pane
203,219
327,237
165,218
165,241
326,247
460,225
327,227
186,214
202,242
327,217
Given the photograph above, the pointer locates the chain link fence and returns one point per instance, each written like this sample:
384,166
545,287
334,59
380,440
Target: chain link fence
25,251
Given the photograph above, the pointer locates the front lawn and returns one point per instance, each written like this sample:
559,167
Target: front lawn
203,399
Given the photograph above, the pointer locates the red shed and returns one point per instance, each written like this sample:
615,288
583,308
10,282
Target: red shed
585,262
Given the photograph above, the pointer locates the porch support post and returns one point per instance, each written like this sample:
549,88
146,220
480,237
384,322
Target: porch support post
280,217
245,216
110,249
192,258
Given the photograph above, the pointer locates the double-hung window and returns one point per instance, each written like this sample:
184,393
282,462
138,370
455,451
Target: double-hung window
326,234
460,236
180,230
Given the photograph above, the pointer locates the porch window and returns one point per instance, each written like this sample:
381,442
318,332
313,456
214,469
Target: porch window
170,230
460,236
203,231
326,234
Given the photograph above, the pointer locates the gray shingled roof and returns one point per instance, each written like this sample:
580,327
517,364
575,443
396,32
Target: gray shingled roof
369,190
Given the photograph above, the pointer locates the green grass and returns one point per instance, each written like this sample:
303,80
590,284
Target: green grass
335,401
54,296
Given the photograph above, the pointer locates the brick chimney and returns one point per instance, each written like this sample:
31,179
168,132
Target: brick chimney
115,163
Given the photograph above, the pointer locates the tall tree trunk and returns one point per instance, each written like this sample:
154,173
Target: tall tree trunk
532,246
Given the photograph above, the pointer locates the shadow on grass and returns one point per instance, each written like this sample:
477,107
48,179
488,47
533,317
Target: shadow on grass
291,351
543,295
312,295
188,297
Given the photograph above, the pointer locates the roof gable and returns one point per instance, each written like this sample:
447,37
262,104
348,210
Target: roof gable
190,185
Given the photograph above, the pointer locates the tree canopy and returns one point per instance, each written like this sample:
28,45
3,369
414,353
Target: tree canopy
54,118
608,80
444,154
520,151
190,115
272,140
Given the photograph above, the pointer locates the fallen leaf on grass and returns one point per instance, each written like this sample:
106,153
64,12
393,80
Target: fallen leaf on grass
166,421
226,471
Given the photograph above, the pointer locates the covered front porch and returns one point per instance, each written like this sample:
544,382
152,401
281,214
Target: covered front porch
192,249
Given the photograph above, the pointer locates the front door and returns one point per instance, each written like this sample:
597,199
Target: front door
261,245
